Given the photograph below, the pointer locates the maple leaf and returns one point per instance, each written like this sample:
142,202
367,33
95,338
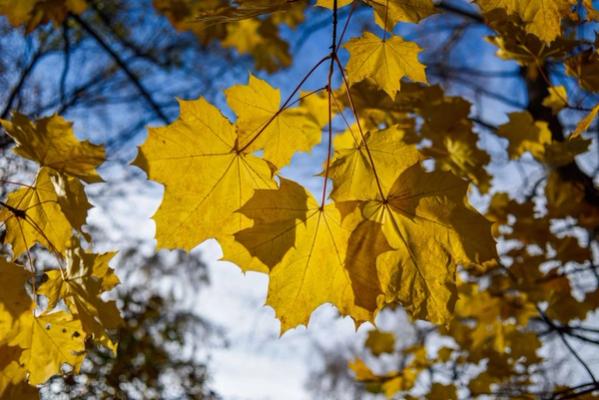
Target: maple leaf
51,143
198,160
48,342
584,66
453,143
260,39
557,98
380,342
275,218
14,300
385,61
423,218
390,13
441,391
559,153
352,171
525,134
46,212
32,13
584,123
366,243
392,382
542,18
80,285
12,376
308,244
257,107
244,9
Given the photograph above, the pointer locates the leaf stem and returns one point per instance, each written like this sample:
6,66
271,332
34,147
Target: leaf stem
330,106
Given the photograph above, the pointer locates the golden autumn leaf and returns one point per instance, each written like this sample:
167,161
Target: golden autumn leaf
525,135
366,242
352,171
542,18
13,376
198,160
281,134
584,66
275,217
48,342
384,61
392,382
453,142
14,300
84,278
51,143
46,212
244,9
261,39
31,13
312,241
557,98
390,13
380,342
423,217
561,153
440,391
584,123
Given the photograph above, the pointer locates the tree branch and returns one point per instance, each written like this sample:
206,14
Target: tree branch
123,65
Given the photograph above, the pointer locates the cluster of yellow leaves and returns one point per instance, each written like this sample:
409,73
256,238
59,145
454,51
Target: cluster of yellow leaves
438,123
242,26
400,382
541,18
389,13
36,343
31,13
394,234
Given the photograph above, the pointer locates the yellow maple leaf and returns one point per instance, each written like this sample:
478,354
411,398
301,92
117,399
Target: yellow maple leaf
13,375
46,212
453,143
244,9
380,342
31,13
14,300
308,244
440,391
80,286
541,17
275,219
389,13
198,160
525,134
384,61
352,171
48,342
366,243
584,123
584,66
261,39
392,382
557,98
424,220
51,143
280,134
